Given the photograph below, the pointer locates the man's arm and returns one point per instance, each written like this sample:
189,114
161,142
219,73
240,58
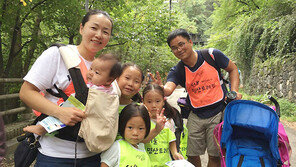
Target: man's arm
234,78
169,88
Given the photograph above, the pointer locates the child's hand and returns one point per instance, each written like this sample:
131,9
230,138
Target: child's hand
160,121
177,156
37,129
157,79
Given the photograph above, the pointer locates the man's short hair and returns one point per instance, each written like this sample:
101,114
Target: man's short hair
178,32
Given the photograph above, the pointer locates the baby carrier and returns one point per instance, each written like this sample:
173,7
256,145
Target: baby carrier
99,128
101,108
250,136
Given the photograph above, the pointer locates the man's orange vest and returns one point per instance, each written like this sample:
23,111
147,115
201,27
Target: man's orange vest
203,86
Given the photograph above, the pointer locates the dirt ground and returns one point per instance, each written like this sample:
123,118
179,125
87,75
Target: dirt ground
291,125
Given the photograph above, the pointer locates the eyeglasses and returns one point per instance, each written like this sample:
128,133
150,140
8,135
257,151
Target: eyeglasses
176,48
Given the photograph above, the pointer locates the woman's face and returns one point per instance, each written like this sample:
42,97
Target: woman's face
154,102
129,81
96,33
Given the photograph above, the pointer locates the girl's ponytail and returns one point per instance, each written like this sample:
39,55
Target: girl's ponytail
172,112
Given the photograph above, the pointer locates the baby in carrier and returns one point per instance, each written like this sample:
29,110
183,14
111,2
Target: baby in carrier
103,71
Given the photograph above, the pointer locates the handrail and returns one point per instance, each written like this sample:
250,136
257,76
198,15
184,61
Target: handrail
9,96
12,111
11,80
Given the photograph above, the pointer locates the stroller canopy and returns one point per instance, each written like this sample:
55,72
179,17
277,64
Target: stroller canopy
250,131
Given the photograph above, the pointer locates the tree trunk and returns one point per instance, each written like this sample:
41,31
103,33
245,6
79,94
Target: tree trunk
14,62
15,44
32,46
3,10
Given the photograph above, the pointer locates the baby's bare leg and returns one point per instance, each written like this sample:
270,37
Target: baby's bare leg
37,129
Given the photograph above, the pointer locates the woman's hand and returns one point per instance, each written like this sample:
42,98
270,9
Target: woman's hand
70,115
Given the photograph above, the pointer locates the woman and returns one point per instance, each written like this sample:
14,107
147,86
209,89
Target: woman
50,69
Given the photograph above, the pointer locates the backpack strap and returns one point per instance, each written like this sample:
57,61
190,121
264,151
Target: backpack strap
262,162
209,59
205,53
80,87
240,161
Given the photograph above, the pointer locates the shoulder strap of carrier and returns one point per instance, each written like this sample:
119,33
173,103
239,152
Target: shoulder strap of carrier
80,87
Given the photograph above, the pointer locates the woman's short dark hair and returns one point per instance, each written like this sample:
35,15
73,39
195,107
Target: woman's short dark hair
178,32
133,110
95,12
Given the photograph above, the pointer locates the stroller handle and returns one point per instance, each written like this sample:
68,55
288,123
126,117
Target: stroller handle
277,106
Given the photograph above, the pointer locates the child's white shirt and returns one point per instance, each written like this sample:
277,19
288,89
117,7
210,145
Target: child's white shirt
171,125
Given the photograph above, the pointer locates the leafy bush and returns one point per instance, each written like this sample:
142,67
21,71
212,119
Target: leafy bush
287,108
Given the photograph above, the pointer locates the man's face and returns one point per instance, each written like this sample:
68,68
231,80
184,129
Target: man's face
181,47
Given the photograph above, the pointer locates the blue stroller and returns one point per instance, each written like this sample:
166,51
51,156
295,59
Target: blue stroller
250,135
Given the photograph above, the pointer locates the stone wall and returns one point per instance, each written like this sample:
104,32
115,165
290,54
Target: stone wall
275,77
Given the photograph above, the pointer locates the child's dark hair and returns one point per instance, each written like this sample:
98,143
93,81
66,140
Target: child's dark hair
95,12
130,64
178,32
169,112
133,110
116,69
137,97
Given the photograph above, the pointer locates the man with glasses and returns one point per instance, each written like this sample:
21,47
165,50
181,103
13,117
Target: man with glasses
205,93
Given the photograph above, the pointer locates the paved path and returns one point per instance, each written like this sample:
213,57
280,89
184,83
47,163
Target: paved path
290,132
292,138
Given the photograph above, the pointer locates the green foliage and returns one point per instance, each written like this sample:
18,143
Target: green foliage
253,30
287,108
198,13
140,32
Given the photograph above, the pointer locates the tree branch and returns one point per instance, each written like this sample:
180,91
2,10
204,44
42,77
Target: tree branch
239,1
255,4
117,44
28,41
238,13
35,6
